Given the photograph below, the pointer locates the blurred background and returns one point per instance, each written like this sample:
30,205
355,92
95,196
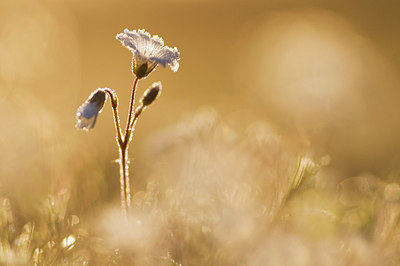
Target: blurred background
322,75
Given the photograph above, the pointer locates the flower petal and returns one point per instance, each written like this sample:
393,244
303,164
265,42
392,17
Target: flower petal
149,49
85,123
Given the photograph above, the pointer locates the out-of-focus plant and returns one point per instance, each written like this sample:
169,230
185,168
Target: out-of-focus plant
147,53
305,169
210,200
14,248
54,237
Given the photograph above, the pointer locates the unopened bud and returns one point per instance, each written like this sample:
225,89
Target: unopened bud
87,113
151,94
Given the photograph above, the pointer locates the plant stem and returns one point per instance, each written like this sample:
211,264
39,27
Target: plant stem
114,105
120,141
128,123
123,185
138,111
124,160
123,143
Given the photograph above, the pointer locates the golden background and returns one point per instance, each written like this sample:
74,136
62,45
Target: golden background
322,74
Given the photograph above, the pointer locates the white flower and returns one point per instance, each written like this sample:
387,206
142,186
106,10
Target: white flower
86,115
148,52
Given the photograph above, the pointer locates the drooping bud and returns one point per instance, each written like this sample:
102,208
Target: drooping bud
87,113
151,94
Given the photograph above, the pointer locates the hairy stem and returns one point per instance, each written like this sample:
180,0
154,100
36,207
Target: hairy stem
124,160
123,185
123,143
131,105
114,105
120,141
137,113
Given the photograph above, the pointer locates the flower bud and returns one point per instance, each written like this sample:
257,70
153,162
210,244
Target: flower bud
87,113
151,94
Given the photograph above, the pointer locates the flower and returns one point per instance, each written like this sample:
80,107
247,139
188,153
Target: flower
87,113
148,52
